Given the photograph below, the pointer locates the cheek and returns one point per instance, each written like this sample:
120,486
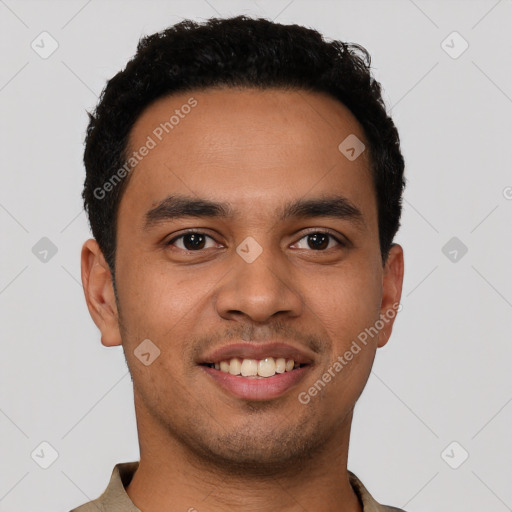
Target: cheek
154,295
160,307
166,307
347,313
346,302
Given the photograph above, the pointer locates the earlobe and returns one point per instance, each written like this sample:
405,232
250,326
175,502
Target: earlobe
99,293
392,281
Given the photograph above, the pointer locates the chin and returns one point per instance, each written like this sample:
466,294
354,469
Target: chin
257,450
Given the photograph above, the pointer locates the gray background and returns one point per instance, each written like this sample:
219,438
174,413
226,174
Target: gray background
444,376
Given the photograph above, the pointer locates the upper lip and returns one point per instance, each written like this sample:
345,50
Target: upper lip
258,350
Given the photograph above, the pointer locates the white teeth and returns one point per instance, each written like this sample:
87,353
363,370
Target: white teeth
249,368
235,366
266,367
280,365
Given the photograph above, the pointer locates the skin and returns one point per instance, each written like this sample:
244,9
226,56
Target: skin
256,150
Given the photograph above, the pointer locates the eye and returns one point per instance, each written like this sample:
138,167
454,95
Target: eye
320,241
191,241
198,241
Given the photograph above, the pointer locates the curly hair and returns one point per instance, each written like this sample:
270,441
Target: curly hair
237,52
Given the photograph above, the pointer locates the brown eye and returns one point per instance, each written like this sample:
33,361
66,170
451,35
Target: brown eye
319,241
191,241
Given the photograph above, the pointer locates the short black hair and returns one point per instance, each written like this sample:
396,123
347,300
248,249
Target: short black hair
236,52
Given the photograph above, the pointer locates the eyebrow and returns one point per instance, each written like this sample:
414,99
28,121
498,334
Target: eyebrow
177,206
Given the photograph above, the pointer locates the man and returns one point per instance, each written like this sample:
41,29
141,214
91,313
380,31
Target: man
244,188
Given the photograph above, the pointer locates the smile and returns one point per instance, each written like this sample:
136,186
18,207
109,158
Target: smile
255,368
254,386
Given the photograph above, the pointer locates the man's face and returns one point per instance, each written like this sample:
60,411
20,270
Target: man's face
253,284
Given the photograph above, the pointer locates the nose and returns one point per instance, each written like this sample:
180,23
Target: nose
258,290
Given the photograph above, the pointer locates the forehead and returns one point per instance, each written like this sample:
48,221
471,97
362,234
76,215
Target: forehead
228,118
248,147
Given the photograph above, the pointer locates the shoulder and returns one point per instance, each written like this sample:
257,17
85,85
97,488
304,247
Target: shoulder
92,506
114,498
369,503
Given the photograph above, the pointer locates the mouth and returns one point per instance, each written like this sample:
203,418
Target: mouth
252,371
255,368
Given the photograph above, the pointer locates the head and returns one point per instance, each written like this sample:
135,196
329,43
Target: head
238,129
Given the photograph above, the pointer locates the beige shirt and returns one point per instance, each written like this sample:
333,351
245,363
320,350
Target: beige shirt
115,499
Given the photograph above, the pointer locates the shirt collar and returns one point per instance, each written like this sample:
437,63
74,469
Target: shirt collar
115,495
367,500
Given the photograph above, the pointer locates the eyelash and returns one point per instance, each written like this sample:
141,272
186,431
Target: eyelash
319,232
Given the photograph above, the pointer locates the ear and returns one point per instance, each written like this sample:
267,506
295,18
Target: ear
99,293
392,280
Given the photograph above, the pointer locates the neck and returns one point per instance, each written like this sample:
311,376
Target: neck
172,477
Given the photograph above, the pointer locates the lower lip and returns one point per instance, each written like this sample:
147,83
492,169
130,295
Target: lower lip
265,388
